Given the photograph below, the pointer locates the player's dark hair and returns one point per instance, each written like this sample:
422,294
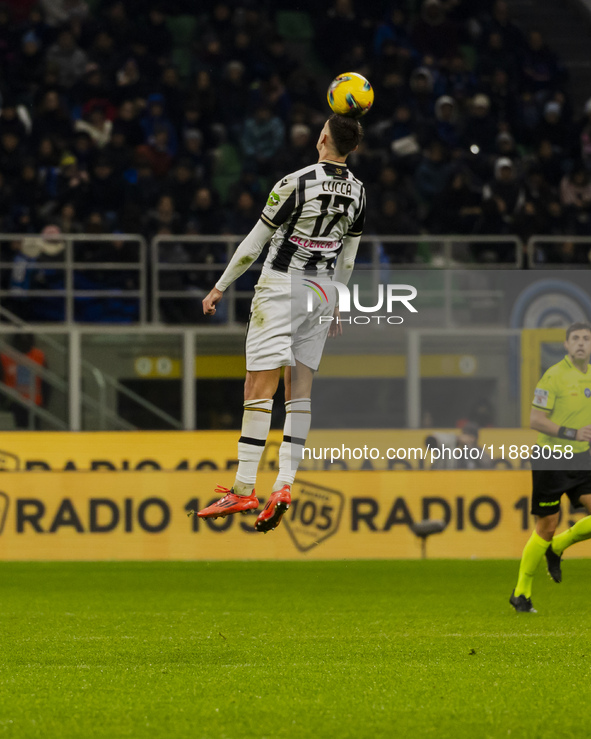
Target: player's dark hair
580,326
346,133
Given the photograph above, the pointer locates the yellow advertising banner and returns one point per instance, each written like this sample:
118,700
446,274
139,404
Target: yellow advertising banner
217,450
334,515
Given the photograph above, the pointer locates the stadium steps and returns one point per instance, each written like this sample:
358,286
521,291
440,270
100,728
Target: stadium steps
566,27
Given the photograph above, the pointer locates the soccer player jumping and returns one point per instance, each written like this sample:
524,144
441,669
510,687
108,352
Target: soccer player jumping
313,220
561,412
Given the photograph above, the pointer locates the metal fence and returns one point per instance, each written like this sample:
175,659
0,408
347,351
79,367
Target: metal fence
559,252
185,268
49,277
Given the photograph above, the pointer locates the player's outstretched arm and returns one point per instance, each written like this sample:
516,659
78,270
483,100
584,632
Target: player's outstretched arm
246,253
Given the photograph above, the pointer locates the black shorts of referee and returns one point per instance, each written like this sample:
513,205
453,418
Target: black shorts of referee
550,483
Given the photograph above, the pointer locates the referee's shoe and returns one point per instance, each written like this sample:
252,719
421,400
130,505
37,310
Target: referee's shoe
521,603
553,561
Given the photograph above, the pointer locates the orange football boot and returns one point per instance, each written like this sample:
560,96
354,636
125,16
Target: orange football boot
273,511
230,503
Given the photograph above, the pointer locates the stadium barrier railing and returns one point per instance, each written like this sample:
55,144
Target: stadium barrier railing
186,267
559,252
49,279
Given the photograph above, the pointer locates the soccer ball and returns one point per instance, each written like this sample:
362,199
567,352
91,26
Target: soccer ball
350,94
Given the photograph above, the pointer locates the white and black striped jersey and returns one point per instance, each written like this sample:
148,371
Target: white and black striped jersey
313,209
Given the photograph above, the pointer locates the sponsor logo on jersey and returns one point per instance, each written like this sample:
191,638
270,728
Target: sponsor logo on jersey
587,392
541,397
312,244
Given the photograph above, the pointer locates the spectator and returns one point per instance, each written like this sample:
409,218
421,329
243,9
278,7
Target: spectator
461,82
502,24
158,152
550,163
575,198
128,125
83,150
502,199
539,68
193,151
27,67
390,183
339,30
204,212
447,128
91,87
262,137
60,12
103,53
181,185
67,221
244,213
496,54
480,132
24,380
300,151
69,60
392,221
105,193
422,100
403,138
52,119
203,95
394,30
96,125
502,92
156,121
174,96
458,208
434,34
156,34
432,173
277,59
130,85
72,183
234,97
164,214
118,152
12,150
144,189
11,122
554,128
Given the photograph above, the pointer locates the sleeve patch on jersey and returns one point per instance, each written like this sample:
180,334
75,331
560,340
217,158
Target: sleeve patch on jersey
540,398
273,200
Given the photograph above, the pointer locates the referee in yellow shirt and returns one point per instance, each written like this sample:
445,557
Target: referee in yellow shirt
561,463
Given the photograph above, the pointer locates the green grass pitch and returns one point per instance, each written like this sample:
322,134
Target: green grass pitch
317,649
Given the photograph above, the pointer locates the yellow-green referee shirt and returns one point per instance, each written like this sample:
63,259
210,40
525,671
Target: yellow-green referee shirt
566,392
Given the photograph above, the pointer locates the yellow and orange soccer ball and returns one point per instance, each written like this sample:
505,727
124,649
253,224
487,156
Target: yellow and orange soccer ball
350,94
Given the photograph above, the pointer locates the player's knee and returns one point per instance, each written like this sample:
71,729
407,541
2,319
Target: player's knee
546,526
261,384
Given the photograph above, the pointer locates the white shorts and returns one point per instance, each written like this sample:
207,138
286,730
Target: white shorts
281,328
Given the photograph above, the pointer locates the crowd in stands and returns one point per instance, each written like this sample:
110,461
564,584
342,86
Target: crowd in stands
168,118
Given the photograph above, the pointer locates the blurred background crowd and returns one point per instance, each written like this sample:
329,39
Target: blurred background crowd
169,118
